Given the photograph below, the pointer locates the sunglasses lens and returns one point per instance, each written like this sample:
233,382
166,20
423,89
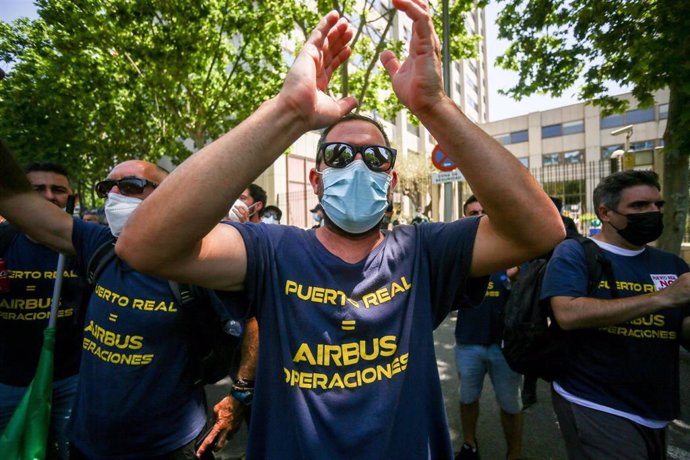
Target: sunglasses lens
337,155
103,187
378,158
131,186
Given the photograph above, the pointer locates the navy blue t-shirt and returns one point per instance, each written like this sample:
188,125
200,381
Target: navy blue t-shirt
346,364
632,366
136,397
25,311
483,324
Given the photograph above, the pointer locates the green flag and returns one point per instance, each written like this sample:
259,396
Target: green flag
26,435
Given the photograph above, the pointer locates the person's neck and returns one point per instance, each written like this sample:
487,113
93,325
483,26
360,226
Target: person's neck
350,248
610,235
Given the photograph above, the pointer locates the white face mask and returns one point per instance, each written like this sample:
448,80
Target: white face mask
233,214
118,208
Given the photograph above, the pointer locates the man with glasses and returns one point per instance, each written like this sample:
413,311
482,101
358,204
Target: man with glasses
346,363
25,311
137,396
271,215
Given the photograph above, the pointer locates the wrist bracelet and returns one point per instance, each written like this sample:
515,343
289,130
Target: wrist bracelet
243,396
243,384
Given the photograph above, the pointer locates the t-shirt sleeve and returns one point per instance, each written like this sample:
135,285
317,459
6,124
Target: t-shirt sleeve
231,305
256,247
449,250
566,272
86,238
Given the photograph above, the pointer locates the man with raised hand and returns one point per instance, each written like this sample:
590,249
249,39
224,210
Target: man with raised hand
346,363
138,395
25,311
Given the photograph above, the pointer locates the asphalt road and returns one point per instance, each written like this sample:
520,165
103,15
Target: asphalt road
541,437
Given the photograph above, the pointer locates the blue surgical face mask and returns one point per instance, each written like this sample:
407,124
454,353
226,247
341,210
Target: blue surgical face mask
355,197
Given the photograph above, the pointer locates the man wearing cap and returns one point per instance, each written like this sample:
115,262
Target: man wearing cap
317,214
346,315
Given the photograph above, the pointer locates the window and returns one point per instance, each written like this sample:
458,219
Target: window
573,127
473,67
564,158
644,145
472,84
524,161
632,117
607,151
551,159
573,157
663,111
412,129
519,136
639,115
473,103
512,138
612,121
550,131
503,138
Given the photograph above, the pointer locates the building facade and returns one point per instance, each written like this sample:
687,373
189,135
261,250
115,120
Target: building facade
569,149
287,181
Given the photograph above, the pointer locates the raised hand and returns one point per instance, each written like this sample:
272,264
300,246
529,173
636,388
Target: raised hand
418,81
306,83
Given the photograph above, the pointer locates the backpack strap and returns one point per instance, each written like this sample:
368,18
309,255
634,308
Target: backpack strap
598,265
7,234
100,258
184,293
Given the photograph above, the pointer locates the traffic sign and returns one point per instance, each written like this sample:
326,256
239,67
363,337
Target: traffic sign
446,176
441,160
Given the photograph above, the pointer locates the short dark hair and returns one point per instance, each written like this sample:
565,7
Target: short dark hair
608,192
468,201
346,118
257,193
46,166
276,209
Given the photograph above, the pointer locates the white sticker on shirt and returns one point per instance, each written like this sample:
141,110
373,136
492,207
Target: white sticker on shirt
663,281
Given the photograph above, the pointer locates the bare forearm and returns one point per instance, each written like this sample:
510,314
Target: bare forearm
250,350
28,211
511,197
200,191
588,312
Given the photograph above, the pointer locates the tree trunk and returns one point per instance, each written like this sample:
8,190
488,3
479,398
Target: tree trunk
675,175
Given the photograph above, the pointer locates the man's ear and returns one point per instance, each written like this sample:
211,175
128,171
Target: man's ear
314,180
603,213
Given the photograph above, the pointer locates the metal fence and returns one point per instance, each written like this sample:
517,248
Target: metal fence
572,183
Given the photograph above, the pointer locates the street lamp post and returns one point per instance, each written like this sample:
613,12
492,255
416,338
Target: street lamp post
624,159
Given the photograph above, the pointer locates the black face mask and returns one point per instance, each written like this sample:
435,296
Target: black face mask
642,227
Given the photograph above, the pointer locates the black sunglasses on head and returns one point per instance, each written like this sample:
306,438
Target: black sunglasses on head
378,158
127,186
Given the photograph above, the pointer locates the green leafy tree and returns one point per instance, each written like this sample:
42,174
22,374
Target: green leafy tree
365,79
638,43
94,83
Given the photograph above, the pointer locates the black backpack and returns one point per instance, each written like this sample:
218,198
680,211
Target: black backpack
533,344
217,352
